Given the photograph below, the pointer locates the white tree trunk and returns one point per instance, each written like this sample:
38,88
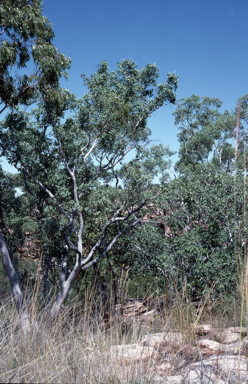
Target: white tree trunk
16,290
64,290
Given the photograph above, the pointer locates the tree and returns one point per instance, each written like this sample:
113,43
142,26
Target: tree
8,202
205,133
68,159
26,38
204,206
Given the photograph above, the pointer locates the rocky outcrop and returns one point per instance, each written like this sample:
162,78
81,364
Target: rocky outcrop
204,362
215,356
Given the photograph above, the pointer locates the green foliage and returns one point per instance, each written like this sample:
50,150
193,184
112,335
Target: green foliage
83,163
205,133
70,153
26,35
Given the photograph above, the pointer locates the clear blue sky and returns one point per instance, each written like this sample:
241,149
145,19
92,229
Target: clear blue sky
205,42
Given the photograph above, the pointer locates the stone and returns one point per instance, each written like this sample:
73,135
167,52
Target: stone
133,308
173,380
167,380
202,329
131,352
202,375
210,344
164,368
155,339
229,337
240,330
233,348
223,367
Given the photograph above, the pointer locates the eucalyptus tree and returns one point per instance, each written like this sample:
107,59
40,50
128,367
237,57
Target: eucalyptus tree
203,208
68,149
26,39
207,199
205,133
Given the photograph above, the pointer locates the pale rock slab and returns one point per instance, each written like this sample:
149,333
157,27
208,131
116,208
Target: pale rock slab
169,338
130,353
210,344
223,368
174,380
229,337
202,376
240,330
203,329
164,368
168,379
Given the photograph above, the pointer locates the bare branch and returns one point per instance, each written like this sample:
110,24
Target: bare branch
91,149
104,254
91,140
116,219
26,183
21,91
61,208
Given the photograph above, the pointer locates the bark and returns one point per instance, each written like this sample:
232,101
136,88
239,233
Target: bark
81,265
15,286
64,290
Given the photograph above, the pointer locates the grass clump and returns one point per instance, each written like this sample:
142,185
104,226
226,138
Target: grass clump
78,346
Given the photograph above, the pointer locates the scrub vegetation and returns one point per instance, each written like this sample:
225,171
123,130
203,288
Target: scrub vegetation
95,216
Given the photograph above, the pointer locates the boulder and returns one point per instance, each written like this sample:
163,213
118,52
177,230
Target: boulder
155,339
218,368
130,353
133,308
202,329
202,375
164,368
240,330
210,344
147,317
173,380
229,337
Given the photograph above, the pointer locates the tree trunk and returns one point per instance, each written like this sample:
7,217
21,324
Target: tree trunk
15,286
65,287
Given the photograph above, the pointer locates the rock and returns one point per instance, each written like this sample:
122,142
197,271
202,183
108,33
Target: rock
229,337
131,352
133,308
164,368
210,344
203,329
168,380
201,375
148,317
222,367
155,339
233,348
173,380
245,346
240,330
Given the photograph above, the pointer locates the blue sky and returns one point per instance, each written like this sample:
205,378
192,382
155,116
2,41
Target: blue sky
205,42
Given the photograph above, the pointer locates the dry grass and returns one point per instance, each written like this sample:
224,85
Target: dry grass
75,348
